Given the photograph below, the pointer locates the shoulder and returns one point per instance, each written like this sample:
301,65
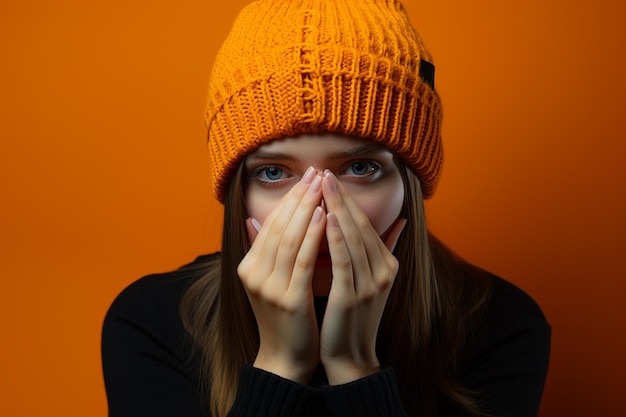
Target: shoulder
150,305
513,340
507,361
509,306
146,352
510,326
161,290
508,298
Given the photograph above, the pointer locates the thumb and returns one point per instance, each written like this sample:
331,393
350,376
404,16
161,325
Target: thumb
394,233
252,227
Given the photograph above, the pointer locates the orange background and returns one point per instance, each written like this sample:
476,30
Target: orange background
104,174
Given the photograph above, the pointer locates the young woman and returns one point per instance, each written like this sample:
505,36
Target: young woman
329,297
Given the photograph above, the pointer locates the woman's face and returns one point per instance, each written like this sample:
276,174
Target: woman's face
368,172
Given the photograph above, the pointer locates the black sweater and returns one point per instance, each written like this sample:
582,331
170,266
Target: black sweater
148,372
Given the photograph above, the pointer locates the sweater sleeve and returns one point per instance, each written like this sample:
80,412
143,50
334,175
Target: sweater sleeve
261,393
508,366
373,396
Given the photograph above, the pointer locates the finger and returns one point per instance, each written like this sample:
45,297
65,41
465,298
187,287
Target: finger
247,263
381,264
359,235
307,256
260,261
295,192
278,219
252,228
393,234
296,230
343,281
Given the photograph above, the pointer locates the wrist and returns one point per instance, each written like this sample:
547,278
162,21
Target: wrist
343,372
296,372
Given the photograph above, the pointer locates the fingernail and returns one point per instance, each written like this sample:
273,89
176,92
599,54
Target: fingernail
256,225
316,185
332,182
317,214
308,176
332,220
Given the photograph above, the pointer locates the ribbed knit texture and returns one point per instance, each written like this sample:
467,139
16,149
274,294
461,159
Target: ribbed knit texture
305,66
262,393
275,396
372,396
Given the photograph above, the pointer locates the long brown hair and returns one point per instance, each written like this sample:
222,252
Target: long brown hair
425,326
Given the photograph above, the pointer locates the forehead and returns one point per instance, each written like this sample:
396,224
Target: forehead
317,146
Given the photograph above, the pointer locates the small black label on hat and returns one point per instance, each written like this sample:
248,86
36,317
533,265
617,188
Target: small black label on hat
427,73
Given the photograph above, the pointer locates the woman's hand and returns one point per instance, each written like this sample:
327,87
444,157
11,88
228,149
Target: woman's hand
364,270
277,272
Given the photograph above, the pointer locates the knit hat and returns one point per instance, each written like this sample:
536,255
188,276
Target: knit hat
354,67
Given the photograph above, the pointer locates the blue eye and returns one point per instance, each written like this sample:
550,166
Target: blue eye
363,169
268,174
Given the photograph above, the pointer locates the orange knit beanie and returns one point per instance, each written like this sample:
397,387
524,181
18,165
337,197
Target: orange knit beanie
355,67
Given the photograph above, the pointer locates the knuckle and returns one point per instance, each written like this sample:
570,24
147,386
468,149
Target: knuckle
269,297
289,305
387,276
394,265
386,281
368,293
335,238
289,243
279,301
362,222
344,264
303,264
243,270
277,226
354,238
349,304
252,287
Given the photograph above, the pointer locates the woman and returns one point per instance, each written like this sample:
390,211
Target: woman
329,297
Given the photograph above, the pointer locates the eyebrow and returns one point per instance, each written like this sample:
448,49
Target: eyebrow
368,148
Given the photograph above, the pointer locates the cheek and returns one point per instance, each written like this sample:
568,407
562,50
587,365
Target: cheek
259,204
383,206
